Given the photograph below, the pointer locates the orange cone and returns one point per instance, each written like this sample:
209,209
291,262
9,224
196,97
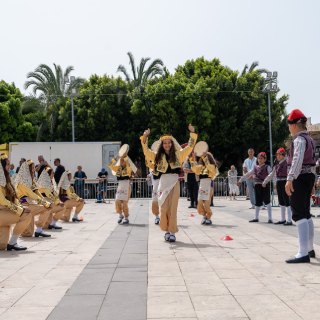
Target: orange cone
226,238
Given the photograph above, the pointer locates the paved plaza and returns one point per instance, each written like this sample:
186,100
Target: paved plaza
101,270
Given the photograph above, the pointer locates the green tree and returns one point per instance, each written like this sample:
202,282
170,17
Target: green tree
13,126
53,86
142,74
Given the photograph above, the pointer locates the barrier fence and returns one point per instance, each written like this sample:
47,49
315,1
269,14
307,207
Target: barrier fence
141,188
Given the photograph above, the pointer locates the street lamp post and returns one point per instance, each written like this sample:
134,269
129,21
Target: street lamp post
269,86
73,93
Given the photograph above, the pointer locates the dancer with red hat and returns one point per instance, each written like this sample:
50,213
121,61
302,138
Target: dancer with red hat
279,171
300,182
262,193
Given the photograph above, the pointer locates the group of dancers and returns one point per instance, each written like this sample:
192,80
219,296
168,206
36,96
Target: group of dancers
26,201
294,175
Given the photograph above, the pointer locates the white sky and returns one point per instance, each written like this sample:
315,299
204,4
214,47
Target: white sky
94,36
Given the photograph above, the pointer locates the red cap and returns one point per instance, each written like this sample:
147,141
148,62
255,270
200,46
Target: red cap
262,154
281,151
296,116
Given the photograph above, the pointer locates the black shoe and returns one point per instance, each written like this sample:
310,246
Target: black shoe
254,220
270,221
166,236
15,247
281,222
76,220
120,219
125,221
304,259
172,238
204,220
157,220
208,222
312,254
288,223
54,227
42,234
191,207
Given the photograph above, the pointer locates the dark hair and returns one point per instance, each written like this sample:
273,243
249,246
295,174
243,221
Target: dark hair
30,170
57,159
49,170
161,151
10,191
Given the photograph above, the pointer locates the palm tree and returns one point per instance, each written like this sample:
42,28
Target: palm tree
52,85
245,70
141,74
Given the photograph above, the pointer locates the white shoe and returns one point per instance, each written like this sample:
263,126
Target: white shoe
253,207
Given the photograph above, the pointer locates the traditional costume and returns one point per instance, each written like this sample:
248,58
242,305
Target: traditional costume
204,165
46,188
301,173
69,198
11,212
123,168
262,193
169,188
279,171
29,195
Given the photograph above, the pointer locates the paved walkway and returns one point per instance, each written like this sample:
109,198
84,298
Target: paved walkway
99,270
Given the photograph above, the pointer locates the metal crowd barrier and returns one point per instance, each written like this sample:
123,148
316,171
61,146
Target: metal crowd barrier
142,189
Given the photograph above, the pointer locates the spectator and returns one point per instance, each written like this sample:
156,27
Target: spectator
232,180
192,184
59,170
12,171
79,178
248,165
20,163
102,187
42,165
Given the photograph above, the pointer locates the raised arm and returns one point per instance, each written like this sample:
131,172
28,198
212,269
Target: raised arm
183,153
148,153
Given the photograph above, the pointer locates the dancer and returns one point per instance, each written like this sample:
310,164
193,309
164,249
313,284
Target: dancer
300,182
46,188
123,168
262,193
69,198
11,211
168,160
204,165
280,172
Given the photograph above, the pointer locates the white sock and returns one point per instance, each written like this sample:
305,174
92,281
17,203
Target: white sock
311,234
76,215
39,230
172,233
257,212
303,237
269,211
289,213
13,239
283,213
53,222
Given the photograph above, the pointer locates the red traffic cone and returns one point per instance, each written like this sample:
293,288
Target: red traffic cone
226,238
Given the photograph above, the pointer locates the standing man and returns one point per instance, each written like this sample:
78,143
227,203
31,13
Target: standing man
248,166
59,170
79,178
42,165
20,163
300,182
192,184
102,187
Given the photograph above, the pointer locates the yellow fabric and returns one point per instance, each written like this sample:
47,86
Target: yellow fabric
16,208
71,194
181,155
207,169
23,190
120,171
50,195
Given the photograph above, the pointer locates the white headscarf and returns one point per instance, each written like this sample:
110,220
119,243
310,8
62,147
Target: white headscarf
44,181
24,176
64,182
156,145
3,180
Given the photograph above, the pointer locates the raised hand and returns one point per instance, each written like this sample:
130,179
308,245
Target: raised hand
146,133
191,127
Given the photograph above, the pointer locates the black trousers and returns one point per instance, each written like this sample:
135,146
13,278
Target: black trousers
193,188
282,196
300,198
262,194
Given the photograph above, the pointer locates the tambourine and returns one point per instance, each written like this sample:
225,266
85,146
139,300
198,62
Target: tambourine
200,148
123,151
